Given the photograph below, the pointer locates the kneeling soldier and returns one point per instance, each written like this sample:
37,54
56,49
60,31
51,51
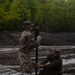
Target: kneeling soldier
55,64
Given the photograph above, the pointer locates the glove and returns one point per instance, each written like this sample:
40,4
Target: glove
39,38
39,66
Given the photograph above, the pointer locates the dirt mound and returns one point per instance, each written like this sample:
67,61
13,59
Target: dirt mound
47,38
58,38
7,39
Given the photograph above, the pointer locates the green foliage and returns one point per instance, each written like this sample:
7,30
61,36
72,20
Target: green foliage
52,15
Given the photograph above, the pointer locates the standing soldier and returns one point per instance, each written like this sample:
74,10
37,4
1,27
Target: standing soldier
54,66
26,44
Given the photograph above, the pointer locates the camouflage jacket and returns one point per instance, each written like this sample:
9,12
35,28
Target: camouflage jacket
26,43
55,63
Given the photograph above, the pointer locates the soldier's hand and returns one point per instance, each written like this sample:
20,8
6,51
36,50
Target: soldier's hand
39,66
32,40
37,43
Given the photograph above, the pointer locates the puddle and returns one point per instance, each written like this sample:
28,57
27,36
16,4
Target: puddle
40,47
69,61
8,49
66,55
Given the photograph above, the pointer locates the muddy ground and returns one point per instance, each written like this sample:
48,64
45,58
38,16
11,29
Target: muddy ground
9,57
9,62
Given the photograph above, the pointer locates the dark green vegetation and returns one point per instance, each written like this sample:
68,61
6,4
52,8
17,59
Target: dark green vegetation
52,15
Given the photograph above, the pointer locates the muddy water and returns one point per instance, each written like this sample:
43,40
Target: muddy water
67,54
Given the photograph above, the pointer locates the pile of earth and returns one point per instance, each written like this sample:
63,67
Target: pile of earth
7,39
57,38
47,38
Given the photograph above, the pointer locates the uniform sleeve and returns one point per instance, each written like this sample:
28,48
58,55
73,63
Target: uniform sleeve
31,42
55,63
46,60
23,42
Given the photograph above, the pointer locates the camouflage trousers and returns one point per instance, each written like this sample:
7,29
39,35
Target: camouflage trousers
26,64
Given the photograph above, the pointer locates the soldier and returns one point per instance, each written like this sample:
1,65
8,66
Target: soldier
26,44
54,67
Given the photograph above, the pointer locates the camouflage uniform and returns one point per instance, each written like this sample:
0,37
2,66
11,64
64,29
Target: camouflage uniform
26,45
55,66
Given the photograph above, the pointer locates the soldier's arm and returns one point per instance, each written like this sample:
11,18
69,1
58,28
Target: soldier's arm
54,64
23,42
46,59
33,43
43,63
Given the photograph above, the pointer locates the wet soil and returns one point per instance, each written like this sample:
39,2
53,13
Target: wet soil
9,57
9,51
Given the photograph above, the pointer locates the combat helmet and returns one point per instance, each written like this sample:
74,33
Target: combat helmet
27,24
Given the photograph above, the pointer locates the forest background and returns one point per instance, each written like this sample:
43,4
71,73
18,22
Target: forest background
51,15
